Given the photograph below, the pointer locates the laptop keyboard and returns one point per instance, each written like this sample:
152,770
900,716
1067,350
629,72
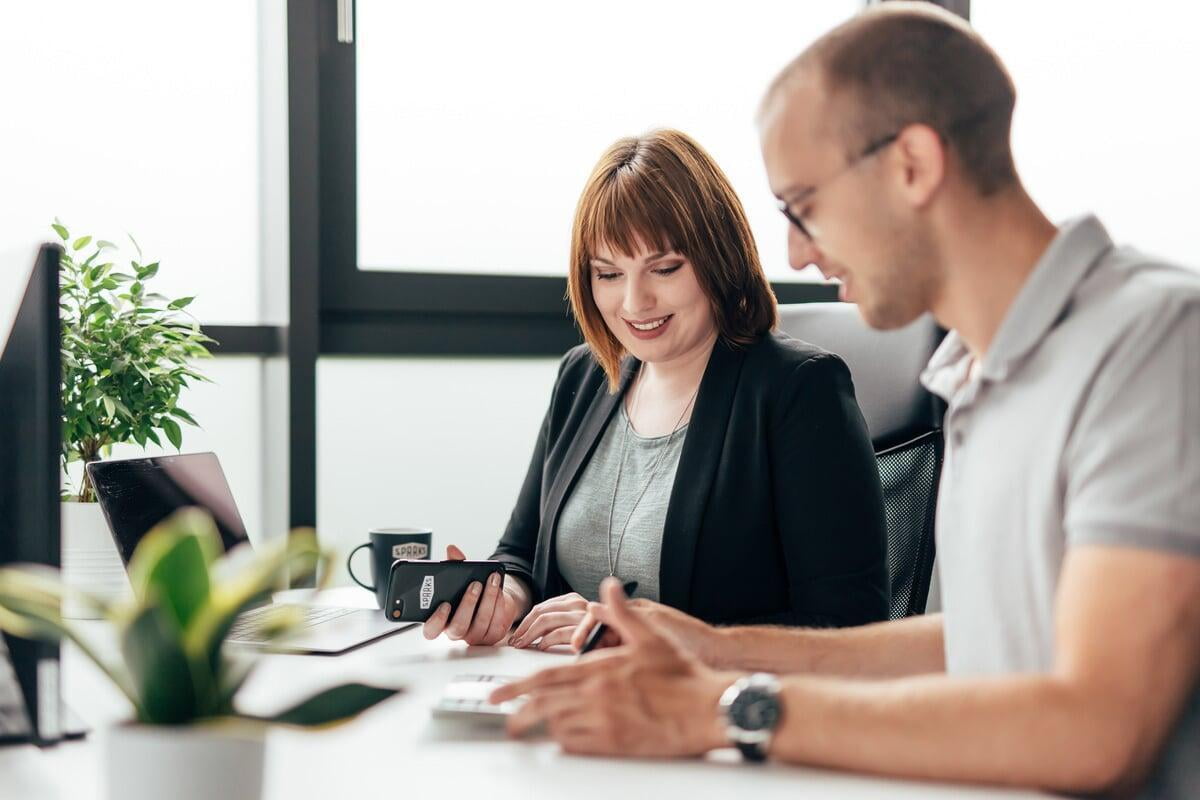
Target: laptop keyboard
245,628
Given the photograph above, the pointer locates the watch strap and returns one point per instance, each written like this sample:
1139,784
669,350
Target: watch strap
752,752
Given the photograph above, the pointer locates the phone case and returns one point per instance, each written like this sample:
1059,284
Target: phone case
416,587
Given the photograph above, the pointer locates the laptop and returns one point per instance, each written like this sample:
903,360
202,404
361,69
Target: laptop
136,494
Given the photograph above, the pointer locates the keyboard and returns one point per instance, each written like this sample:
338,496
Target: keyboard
246,627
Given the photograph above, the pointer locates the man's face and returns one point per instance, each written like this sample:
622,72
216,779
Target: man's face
863,232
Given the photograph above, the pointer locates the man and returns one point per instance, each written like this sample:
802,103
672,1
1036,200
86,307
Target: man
1068,522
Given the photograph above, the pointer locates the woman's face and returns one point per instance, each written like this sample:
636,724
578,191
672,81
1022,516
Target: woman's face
652,303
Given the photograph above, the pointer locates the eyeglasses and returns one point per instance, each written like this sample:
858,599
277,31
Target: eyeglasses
870,150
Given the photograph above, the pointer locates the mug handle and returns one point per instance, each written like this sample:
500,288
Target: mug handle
350,567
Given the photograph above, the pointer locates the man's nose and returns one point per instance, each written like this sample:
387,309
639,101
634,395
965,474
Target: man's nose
801,250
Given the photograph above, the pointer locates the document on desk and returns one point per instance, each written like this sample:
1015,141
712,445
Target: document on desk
465,698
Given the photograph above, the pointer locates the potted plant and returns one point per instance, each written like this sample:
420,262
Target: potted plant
126,355
187,738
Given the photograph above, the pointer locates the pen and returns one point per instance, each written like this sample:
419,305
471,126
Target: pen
598,632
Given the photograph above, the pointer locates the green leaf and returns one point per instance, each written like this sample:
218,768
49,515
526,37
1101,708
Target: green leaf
31,598
110,406
171,428
171,562
104,245
182,302
297,556
185,416
332,706
159,667
148,271
81,243
61,231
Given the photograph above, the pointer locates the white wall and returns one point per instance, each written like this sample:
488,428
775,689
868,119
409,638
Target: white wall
442,443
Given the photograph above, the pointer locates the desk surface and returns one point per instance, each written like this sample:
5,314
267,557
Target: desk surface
397,747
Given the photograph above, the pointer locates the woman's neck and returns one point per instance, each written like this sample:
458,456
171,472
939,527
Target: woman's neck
682,373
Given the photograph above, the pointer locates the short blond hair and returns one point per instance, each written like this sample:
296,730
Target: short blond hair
904,63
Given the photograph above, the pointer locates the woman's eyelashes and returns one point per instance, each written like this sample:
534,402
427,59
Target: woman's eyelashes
602,275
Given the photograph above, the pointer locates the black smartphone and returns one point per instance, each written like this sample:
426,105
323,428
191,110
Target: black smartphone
416,587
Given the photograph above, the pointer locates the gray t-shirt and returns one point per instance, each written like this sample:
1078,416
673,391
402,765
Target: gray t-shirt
582,541
1080,427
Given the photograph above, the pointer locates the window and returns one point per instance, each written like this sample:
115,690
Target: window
478,122
156,119
1106,119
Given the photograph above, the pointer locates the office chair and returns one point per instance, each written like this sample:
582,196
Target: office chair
905,425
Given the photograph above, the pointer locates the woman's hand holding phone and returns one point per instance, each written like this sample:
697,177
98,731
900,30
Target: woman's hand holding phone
486,613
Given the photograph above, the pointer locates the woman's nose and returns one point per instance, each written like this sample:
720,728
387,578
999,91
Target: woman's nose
638,296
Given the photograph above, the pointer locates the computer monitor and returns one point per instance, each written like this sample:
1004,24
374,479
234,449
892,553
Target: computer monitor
30,444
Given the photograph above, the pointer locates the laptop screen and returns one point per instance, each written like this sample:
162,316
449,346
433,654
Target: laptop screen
136,494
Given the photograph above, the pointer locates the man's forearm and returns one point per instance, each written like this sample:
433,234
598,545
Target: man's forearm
882,650
1028,730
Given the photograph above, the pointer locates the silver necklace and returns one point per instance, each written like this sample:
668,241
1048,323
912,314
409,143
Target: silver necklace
615,558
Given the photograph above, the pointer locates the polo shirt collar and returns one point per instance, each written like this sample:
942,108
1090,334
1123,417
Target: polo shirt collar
1047,291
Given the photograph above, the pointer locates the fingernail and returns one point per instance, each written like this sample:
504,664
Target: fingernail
495,579
475,588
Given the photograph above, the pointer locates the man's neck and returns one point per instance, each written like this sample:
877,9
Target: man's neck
989,248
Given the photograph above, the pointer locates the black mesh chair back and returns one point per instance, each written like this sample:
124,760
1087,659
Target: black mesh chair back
909,473
905,425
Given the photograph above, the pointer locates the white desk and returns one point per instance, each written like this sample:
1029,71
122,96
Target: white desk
397,750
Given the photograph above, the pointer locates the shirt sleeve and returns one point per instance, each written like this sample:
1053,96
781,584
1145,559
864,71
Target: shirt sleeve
1133,459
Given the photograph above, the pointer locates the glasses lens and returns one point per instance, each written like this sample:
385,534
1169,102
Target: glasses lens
795,220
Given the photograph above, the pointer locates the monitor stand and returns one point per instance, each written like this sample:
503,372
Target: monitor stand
14,721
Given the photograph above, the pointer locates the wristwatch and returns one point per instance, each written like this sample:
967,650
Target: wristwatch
753,710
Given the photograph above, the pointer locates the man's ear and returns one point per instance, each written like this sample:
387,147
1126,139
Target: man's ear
920,161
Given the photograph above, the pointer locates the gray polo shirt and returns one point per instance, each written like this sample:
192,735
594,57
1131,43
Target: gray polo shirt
1081,426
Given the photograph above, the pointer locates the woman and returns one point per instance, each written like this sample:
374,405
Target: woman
723,466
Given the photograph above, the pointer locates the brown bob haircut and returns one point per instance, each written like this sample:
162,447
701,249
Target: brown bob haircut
903,63
663,189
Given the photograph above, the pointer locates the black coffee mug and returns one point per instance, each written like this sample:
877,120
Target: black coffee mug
387,545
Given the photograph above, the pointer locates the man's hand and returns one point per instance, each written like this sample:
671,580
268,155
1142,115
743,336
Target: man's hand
693,635
645,697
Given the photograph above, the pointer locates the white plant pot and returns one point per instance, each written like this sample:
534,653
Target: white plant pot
204,761
90,561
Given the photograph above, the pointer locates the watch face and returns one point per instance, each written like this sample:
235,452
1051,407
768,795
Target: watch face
755,710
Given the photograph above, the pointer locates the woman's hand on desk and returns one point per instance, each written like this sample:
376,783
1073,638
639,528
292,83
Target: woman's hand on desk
485,614
550,622
693,635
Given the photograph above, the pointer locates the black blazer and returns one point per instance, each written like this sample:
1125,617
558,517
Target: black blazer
775,515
